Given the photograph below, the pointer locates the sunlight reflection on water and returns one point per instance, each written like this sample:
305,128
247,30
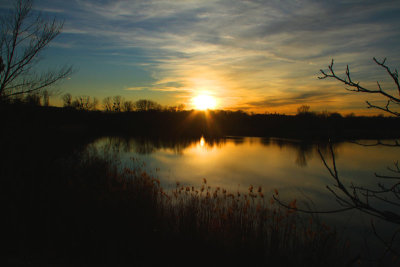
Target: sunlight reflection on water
293,167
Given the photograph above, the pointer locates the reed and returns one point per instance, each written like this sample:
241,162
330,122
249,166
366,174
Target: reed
87,209
235,223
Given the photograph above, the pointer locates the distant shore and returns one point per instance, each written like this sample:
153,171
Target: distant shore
162,123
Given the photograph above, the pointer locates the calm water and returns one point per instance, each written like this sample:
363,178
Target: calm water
293,167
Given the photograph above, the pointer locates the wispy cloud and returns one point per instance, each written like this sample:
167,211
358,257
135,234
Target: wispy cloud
162,87
241,51
136,88
298,98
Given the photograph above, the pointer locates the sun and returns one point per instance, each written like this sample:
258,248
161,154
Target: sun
204,102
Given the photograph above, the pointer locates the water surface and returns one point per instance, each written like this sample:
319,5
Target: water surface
293,167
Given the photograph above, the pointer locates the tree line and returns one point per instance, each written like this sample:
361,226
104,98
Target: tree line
114,104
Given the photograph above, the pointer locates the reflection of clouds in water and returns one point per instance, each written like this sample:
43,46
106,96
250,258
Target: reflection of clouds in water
293,167
305,150
289,165
142,145
226,161
252,154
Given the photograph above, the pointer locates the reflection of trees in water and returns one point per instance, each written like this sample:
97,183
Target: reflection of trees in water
302,155
143,145
237,140
305,149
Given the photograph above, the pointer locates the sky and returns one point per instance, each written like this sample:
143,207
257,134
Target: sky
253,55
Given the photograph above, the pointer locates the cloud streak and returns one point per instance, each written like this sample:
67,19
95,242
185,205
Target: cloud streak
241,51
297,98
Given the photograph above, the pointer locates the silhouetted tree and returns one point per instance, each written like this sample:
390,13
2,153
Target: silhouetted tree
359,197
117,103
46,98
95,102
304,109
23,37
85,103
179,107
387,192
107,104
366,199
393,102
145,105
67,99
128,106
33,99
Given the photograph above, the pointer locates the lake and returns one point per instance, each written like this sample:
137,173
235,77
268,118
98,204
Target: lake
293,167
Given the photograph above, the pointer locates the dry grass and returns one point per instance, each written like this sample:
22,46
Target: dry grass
87,209
239,225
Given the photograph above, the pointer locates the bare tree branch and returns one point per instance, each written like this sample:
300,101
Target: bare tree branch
356,87
353,199
378,143
22,40
309,211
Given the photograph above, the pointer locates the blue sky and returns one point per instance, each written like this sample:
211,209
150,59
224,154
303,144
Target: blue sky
261,56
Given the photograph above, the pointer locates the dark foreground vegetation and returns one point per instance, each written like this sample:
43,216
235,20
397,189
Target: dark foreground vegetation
67,206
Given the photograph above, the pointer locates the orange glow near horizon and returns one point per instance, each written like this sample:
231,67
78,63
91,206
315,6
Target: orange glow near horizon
204,102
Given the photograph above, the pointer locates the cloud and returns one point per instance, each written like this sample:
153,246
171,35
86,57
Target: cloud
298,98
244,51
136,88
284,30
161,87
